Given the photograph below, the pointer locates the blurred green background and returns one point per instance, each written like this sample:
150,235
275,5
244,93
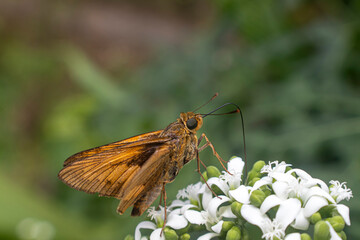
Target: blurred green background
78,74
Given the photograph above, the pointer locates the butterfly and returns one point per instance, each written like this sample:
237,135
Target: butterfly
135,170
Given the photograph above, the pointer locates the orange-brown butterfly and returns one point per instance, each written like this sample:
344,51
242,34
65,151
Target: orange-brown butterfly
135,170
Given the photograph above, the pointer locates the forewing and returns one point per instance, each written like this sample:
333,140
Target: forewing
105,169
112,148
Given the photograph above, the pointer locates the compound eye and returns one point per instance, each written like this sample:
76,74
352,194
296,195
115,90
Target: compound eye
191,123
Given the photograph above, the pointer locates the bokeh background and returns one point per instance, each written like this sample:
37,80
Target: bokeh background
78,74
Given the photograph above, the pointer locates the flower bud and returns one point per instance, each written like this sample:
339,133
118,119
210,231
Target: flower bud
253,181
170,234
205,177
315,218
342,235
321,231
226,226
266,191
258,165
337,222
233,234
305,236
212,172
235,208
185,236
257,197
253,174
129,237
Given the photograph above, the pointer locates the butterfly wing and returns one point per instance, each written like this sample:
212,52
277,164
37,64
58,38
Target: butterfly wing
106,169
143,186
111,148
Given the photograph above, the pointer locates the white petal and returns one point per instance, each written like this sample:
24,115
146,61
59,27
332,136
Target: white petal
194,217
208,236
253,215
236,165
344,212
186,207
146,225
293,236
270,202
206,197
215,204
217,227
301,173
281,189
263,181
157,235
176,211
313,205
177,203
333,233
226,212
241,194
301,222
321,183
288,211
176,221
220,183
316,191
284,177
282,167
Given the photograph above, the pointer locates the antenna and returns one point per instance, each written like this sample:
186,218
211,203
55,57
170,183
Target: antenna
212,98
242,125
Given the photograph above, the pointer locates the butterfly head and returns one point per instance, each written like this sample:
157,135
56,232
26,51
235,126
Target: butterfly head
192,121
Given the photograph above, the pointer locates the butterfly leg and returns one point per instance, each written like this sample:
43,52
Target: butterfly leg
161,198
163,194
199,171
209,144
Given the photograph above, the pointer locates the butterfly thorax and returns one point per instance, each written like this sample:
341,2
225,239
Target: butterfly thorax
183,142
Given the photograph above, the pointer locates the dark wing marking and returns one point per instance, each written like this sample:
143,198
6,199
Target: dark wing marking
146,200
142,182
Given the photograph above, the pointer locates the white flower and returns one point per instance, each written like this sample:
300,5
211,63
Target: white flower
286,214
241,194
146,225
174,220
192,192
274,167
230,181
235,167
212,214
293,195
303,187
339,191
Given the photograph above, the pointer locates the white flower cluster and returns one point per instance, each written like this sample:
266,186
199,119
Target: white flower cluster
277,199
